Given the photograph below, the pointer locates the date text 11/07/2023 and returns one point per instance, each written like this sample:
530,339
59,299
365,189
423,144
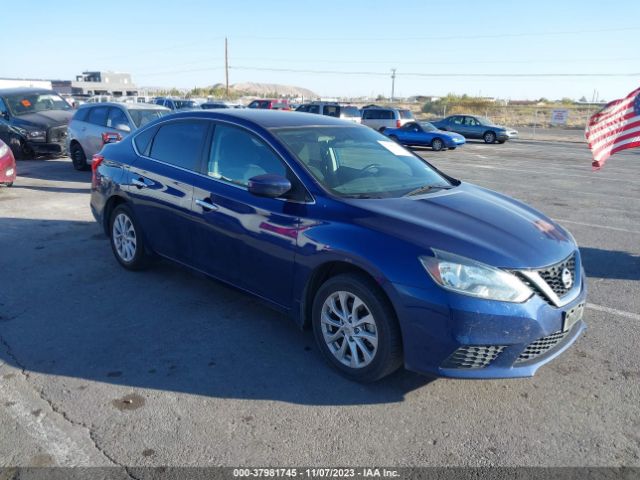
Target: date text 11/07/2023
365,472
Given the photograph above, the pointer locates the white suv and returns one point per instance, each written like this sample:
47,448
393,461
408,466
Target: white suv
380,118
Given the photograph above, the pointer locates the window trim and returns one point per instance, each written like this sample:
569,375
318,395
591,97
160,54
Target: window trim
209,138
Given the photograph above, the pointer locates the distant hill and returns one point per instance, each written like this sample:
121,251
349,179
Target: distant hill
264,89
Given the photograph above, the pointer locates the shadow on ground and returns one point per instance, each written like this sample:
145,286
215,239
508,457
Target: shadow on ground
68,309
610,264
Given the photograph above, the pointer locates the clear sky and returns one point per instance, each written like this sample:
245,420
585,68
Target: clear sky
322,44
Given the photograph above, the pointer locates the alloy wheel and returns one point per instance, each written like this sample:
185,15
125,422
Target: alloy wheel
124,237
349,329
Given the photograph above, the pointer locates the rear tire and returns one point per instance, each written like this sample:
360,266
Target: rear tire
10,184
127,240
361,338
382,129
437,144
489,137
78,157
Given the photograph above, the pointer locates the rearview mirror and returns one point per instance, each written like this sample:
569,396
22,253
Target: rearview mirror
269,185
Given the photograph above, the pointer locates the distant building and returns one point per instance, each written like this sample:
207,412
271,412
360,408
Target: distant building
97,83
24,82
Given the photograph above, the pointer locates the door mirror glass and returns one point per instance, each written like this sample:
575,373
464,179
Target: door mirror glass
123,127
269,185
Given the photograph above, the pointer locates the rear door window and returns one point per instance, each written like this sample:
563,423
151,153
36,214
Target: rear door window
98,116
180,143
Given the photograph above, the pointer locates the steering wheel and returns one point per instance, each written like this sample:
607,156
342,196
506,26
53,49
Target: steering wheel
371,166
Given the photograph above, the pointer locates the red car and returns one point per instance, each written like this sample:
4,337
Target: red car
7,165
270,104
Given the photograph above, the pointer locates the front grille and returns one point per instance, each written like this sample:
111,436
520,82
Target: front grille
57,134
473,356
553,275
541,346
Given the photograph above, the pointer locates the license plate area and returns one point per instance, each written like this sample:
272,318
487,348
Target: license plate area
571,317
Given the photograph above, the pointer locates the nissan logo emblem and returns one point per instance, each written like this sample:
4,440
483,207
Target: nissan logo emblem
567,278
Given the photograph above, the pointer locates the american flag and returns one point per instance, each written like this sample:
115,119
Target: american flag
614,128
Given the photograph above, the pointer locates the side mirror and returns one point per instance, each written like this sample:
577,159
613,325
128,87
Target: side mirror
123,127
269,185
5,114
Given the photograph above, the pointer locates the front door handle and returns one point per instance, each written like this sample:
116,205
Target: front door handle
139,182
207,205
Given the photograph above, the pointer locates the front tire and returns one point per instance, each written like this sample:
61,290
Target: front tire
356,329
19,149
78,157
126,239
489,137
437,144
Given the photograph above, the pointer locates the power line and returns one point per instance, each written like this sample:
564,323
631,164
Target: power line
438,37
421,74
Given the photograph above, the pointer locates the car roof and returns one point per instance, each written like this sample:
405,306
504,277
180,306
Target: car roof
128,106
23,90
263,118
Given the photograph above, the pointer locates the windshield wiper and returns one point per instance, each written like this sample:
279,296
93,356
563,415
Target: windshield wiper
425,189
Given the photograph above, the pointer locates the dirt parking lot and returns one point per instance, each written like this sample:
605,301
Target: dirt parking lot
100,366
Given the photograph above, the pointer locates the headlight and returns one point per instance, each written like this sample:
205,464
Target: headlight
468,277
3,150
36,134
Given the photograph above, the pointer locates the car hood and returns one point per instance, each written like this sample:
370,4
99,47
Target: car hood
473,222
46,119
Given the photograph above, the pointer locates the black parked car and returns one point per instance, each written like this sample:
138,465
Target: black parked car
33,121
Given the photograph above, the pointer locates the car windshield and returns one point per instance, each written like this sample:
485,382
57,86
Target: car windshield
427,127
359,162
141,117
36,102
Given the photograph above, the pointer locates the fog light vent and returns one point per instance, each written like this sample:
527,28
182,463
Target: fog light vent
473,356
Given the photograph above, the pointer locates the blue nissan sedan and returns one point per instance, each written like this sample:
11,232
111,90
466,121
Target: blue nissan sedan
423,134
390,261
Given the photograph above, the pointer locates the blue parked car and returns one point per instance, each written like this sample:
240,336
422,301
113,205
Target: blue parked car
423,134
390,261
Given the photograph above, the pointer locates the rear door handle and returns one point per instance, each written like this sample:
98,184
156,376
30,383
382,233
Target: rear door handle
207,205
139,182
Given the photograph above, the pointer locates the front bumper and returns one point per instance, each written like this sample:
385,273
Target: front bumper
451,335
455,142
47,148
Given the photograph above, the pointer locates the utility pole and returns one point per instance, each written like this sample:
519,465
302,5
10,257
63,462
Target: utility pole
393,83
226,66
